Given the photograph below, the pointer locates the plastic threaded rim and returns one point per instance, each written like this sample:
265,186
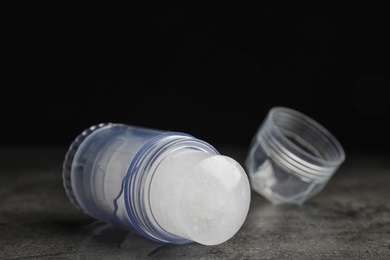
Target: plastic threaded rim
67,165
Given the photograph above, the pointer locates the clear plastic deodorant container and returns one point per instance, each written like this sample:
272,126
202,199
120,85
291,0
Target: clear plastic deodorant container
167,186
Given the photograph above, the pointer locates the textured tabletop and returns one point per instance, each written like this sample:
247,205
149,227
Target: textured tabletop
349,219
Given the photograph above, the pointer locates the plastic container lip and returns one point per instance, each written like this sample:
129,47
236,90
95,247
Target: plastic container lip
276,111
155,148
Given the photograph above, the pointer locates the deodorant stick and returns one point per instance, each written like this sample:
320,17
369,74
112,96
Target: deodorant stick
167,186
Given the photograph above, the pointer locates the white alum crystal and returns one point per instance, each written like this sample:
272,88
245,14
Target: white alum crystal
200,196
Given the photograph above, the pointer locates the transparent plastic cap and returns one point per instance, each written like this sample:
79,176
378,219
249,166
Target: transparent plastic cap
292,157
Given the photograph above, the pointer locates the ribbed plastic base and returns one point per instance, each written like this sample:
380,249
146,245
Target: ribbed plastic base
67,165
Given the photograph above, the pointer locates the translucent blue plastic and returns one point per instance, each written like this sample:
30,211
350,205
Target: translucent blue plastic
108,172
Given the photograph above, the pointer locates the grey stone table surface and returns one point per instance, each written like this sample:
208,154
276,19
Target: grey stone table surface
348,219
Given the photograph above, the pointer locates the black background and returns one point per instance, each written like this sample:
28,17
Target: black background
212,69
